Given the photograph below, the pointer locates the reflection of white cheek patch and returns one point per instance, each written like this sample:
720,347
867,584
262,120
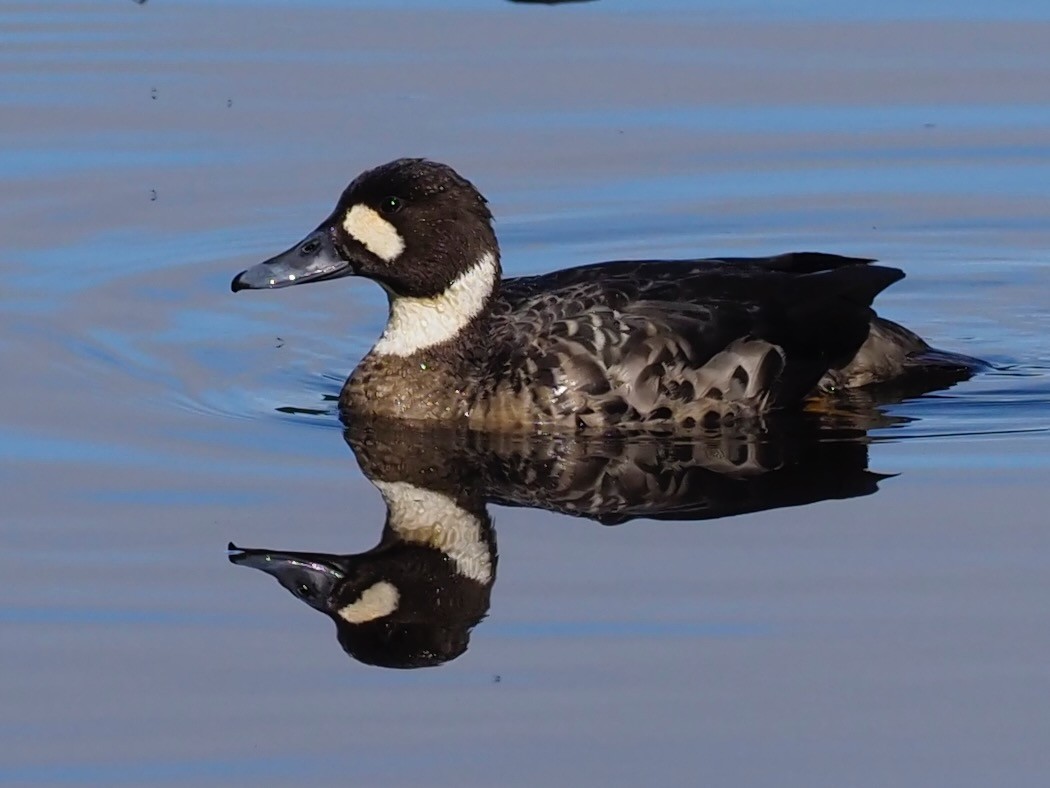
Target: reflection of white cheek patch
375,602
374,232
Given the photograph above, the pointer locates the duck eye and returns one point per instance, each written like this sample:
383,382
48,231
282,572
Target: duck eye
391,205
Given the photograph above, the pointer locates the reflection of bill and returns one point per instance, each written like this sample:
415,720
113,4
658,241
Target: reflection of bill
413,599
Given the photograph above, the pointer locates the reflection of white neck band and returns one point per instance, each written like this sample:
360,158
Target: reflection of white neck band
429,518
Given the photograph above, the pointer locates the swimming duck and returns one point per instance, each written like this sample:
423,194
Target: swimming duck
639,343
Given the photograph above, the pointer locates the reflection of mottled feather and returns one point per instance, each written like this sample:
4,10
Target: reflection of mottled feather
613,480
616,477
685,343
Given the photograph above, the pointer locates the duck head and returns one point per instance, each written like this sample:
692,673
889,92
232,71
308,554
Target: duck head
413,225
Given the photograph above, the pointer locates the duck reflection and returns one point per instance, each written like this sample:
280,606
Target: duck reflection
413,599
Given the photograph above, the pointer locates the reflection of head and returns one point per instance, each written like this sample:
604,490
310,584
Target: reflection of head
419,615
411,601
391,645
429,623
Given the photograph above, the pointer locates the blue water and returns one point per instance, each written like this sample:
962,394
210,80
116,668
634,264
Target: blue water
149,152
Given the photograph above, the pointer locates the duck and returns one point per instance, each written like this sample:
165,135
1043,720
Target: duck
639,344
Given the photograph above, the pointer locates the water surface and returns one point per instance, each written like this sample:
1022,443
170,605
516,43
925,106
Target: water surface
149,152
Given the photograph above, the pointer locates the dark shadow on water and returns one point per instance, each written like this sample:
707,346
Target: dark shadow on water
413,599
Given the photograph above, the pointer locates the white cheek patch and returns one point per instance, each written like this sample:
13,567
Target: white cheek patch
429,518
375,602
374,232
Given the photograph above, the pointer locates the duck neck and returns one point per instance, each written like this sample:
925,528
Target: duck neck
417,325
424,366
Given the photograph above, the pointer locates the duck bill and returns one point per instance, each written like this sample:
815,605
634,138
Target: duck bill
310,576
313,259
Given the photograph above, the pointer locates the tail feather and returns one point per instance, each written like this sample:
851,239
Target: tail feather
806,262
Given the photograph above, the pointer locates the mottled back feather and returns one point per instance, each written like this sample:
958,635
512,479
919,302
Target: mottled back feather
675,342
